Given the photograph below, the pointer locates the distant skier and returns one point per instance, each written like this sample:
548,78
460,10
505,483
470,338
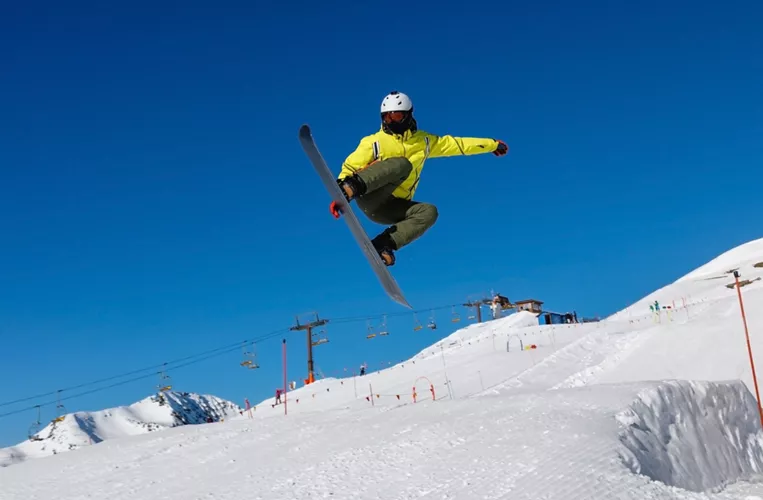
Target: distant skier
383,172
278,396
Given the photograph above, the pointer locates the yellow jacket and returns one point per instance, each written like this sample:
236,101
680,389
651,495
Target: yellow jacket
417,146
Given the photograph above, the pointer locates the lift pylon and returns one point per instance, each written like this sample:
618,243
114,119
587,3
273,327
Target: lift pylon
477,305
308,327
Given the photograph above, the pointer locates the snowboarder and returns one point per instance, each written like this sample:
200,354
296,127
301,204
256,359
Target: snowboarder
383,172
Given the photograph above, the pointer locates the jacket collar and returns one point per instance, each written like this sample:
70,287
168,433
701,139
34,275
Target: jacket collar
404,136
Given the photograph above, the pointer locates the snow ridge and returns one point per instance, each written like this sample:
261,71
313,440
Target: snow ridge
699,436
163,410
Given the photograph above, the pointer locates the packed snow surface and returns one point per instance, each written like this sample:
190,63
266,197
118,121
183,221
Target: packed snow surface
642,405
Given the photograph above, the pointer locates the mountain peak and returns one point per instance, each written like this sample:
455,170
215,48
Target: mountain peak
159,411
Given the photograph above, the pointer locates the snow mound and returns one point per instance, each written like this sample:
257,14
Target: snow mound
157,412
707,283
745,255
693,435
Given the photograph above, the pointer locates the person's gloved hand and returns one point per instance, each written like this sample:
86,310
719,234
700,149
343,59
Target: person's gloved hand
502,148
336,209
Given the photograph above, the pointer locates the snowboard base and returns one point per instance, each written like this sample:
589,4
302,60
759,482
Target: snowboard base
329,181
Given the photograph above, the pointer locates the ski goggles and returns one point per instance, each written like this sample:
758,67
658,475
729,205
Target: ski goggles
394,116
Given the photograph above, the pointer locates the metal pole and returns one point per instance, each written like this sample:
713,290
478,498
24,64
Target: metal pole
749,348
445,369
285,392
310,377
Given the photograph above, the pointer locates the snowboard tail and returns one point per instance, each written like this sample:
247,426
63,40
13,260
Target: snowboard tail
329,180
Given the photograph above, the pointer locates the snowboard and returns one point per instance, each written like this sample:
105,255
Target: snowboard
329,180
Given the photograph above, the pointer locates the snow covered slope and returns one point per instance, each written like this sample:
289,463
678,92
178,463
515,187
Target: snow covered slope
577,443
161,411
639,406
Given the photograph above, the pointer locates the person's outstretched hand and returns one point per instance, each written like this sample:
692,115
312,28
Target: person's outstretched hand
502,148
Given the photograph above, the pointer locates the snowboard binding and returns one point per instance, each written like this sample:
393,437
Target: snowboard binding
352,187
385,246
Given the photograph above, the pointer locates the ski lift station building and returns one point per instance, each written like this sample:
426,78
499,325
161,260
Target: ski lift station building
545,317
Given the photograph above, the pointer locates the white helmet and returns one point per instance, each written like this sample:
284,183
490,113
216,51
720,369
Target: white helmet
396,101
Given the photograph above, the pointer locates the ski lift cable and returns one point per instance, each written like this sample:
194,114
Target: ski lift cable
106,379
352,319
180,363
115,384
177,363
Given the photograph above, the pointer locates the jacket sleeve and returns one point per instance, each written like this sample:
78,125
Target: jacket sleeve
358,159
447,145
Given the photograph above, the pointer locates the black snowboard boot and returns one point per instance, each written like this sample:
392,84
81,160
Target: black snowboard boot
385,245
352,187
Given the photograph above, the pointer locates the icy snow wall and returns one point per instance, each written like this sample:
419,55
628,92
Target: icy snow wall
698,436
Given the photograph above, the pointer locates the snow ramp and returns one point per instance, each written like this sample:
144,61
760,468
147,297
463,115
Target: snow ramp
698,436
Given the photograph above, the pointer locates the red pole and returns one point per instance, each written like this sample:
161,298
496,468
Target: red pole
285,397
749,348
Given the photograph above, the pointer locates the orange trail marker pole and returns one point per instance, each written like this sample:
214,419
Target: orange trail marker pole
749,348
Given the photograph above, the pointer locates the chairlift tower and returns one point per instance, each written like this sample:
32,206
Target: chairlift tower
477,304
308,327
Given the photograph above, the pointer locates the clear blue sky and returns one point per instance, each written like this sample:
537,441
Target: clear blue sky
155,202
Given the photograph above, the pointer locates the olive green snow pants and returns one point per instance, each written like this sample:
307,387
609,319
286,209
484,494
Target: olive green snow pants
409,219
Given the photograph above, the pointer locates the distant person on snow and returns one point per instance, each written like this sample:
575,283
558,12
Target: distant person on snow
278,396
383,172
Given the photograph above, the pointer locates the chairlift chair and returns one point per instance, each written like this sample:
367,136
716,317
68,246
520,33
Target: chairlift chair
250,357
456,318
320,338
370,330
35,427
165,382
432,324
60,409
383,328
416,323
